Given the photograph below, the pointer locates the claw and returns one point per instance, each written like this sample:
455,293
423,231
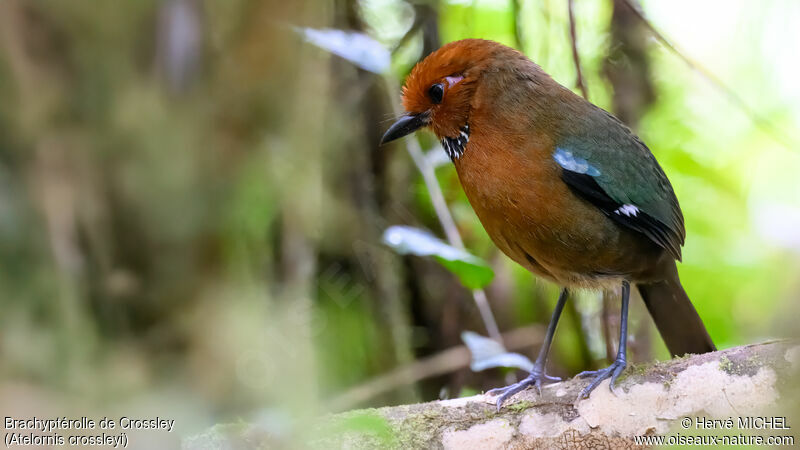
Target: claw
497,391
613,371
612,385
534,379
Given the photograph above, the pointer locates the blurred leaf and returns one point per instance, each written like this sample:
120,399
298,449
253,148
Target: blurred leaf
358,48
487,354
473,272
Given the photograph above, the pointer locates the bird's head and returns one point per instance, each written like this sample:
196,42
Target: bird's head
439,91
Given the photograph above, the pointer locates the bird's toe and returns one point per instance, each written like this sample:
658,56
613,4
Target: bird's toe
535,379
613,372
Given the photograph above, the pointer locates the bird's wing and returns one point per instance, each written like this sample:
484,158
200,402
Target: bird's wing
607,165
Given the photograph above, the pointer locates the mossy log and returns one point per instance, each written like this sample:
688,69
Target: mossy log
756,380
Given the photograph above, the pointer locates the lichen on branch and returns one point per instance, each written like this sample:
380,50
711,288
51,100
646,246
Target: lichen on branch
652,399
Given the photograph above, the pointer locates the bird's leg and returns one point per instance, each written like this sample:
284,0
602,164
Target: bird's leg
537,374
620,362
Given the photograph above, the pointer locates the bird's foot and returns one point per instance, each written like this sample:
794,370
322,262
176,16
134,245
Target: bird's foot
536,377
611,371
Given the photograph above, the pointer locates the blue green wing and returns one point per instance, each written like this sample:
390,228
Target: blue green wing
610,167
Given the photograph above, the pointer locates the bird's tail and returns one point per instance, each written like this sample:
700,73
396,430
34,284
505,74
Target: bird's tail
675,317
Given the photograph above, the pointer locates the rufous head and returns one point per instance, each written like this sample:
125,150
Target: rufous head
439,91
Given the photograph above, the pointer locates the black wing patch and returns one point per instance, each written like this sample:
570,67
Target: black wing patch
586,187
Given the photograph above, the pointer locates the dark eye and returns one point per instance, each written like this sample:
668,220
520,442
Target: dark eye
436,92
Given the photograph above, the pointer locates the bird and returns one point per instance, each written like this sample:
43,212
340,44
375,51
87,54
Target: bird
561,186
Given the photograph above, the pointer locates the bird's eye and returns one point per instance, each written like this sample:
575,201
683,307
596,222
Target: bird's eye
436,92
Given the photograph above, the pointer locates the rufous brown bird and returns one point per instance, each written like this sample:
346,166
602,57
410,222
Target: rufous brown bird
561,186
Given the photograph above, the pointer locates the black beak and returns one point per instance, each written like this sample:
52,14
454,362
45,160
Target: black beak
406,125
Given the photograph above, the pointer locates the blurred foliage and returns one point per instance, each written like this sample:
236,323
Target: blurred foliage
473,272
192,199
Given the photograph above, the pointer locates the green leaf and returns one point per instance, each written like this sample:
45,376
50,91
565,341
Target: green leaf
473,272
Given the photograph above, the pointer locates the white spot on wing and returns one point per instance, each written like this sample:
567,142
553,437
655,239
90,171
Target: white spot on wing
628,210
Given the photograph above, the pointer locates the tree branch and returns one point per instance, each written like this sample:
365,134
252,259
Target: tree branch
448,361
575,56
650,400
516,11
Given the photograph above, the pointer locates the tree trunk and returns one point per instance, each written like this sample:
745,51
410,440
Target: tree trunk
663,398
